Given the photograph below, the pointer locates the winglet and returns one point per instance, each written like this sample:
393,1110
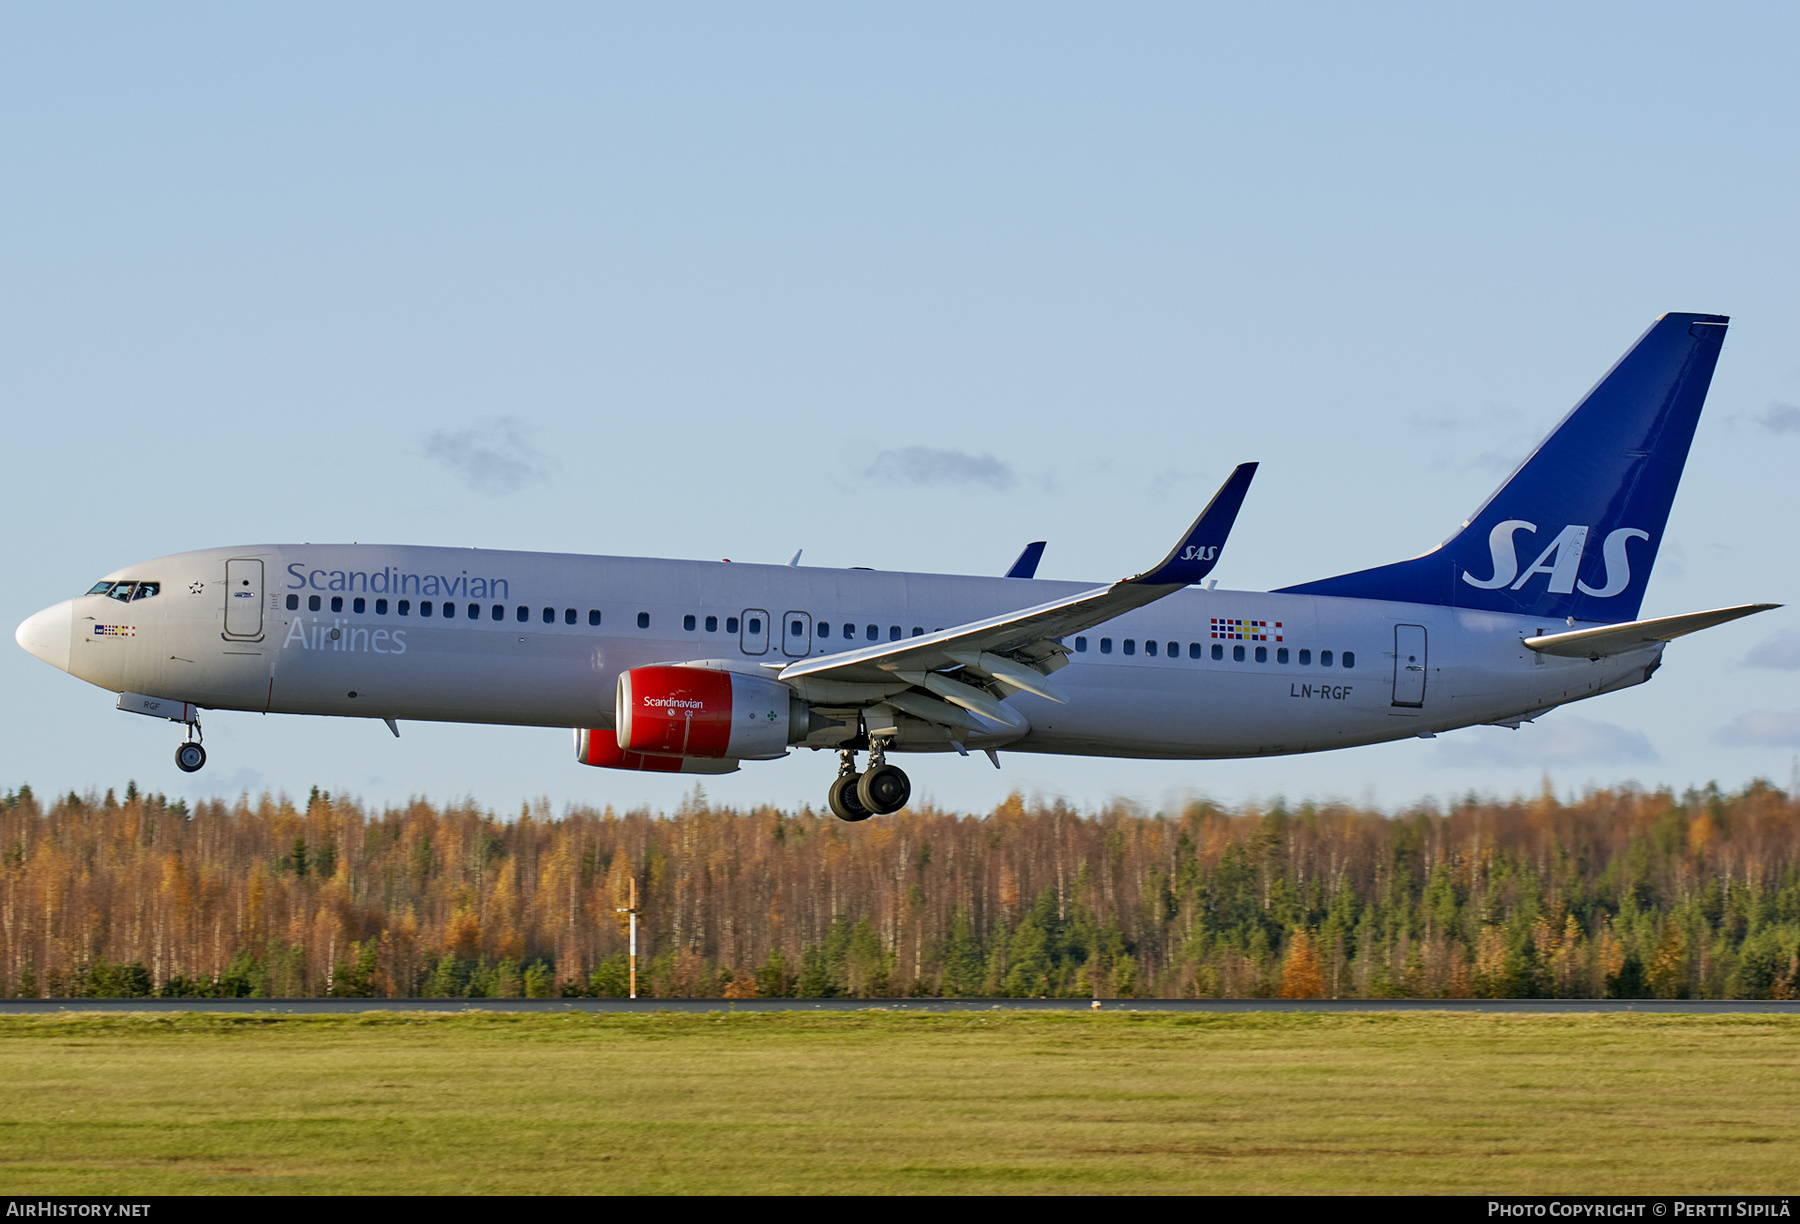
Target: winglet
1194,557
1026,565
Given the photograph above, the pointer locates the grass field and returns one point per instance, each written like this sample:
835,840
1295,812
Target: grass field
886,1102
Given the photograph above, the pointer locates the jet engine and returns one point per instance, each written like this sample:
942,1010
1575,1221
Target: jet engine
601,748
682,711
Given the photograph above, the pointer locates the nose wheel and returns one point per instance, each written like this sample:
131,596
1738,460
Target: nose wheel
879,791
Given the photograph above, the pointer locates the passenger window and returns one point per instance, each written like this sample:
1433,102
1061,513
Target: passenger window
424,607
1130,646
731,624
405,606
712,624
918,631
1324,658
1218,652
312,603
381,607
824,629
1306,658
1262,654
689,623
568,616
643,620
755,625
1281,655
1105,645
549,616
475,611
796,628
523,614
594,616
337,603
499,612
293,603
1080,645
1237,654
1149,648
1349,658
1195,650
893,633
873,633
1174,650
359,605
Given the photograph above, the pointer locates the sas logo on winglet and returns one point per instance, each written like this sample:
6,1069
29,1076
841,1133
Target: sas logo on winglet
1200,552
1561,560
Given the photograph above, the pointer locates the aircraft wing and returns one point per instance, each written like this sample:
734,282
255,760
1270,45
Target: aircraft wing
1604,640
1000,655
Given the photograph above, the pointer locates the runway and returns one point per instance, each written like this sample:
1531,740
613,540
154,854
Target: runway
295,1007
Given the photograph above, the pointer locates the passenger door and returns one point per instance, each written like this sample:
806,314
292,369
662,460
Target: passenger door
1409,665
243,597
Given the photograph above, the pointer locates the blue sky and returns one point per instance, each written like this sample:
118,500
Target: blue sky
666,280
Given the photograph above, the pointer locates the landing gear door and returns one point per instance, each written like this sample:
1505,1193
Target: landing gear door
243,598
1409,665
755,631
796,634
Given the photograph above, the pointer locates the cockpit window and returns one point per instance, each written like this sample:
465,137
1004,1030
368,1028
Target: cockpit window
125,592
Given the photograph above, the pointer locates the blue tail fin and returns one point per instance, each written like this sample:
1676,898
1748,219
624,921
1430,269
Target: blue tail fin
1589,504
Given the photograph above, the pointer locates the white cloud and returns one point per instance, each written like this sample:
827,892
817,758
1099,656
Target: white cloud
1781,418
924,465
1566,741
1782,651
1763,729
493,458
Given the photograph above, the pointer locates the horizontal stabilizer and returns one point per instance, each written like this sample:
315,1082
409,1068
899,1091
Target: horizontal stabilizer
1607,640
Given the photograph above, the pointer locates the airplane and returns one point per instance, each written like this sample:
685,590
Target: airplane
691,667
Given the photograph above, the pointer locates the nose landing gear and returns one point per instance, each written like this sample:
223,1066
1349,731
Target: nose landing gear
191,755
881,791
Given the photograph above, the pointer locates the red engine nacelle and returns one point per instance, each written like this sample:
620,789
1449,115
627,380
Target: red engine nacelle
602,748
683,711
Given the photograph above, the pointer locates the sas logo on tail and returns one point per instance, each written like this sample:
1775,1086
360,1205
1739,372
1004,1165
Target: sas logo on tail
1561,560
1200,552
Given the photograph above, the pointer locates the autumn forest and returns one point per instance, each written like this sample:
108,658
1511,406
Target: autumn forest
1619,893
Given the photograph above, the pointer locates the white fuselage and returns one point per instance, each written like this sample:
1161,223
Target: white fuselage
220,633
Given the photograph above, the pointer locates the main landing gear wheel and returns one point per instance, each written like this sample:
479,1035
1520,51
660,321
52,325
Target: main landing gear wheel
842,797
190,757
884,789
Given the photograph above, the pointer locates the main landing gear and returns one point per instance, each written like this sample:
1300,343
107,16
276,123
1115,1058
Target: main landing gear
878,791
191,755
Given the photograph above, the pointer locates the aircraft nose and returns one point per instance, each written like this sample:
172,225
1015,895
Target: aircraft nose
47,634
